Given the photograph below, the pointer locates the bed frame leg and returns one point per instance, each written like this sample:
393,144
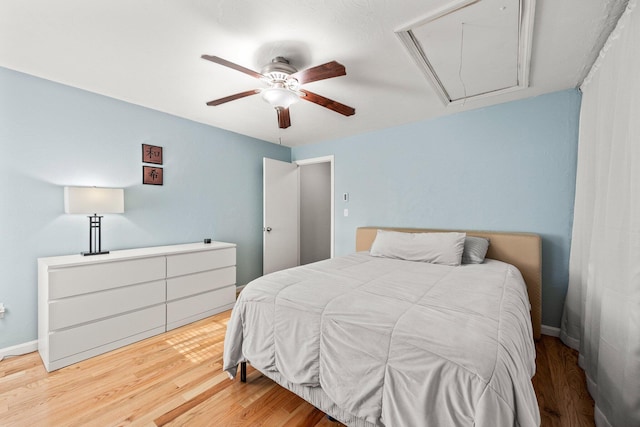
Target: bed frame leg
243,372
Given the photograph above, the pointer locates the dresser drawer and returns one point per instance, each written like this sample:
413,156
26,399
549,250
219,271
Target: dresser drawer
85,308
191,284
202,303
69,281
192,262
75,340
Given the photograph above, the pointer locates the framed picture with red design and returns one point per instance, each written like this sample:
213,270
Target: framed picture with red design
152,175
151,154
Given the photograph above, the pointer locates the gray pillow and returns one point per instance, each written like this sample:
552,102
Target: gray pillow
475,249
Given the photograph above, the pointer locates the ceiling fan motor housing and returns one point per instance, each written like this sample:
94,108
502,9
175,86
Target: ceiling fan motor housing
279,73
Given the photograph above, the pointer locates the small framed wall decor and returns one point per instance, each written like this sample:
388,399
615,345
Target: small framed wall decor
152,175
151,154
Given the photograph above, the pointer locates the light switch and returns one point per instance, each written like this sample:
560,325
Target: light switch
346,212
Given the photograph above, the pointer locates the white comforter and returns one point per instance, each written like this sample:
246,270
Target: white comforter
396,343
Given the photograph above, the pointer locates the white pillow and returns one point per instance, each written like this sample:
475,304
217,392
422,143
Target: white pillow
436,248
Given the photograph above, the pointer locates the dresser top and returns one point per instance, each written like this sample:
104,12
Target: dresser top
78,259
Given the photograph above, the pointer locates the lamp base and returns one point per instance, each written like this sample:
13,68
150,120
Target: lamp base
94,253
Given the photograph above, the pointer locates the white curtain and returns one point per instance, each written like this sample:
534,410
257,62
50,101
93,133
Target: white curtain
602,311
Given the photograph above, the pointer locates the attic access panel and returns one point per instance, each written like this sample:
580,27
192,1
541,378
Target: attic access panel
473,48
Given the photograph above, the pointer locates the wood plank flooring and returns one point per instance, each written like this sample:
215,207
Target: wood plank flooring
176,379
560,386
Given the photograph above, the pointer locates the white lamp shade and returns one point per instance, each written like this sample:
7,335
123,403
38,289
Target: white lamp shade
279,97
92,200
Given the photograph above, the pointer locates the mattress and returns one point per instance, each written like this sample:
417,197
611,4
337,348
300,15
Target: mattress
387,342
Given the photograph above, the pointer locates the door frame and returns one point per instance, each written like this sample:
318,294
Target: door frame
330,160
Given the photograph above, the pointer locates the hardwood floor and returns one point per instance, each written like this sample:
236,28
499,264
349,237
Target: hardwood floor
560,386
176,379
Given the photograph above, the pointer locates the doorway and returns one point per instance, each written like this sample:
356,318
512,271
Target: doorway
298,211
316,209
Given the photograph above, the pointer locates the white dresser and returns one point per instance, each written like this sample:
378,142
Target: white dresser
88,305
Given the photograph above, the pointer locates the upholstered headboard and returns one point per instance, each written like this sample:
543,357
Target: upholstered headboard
524,250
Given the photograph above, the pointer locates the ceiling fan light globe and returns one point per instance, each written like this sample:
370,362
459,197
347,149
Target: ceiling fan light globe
279,97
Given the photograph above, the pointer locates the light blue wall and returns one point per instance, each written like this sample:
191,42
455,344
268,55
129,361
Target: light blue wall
509,167
52,135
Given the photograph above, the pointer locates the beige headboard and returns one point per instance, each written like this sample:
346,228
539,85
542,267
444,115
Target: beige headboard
523,250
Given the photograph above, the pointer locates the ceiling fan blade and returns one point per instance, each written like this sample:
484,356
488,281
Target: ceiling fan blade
284,120
320,72
328,103
229,64
233,97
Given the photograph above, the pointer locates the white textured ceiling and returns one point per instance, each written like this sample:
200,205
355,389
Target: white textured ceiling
147,52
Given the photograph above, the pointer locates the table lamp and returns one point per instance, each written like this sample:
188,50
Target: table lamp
94,201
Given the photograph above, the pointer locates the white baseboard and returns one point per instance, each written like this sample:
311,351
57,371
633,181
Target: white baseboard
550,330
18,350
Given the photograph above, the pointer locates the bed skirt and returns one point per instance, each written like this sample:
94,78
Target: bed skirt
318,398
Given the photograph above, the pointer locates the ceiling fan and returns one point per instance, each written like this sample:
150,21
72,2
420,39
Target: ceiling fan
283,86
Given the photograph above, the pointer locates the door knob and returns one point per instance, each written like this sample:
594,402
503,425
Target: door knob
267,229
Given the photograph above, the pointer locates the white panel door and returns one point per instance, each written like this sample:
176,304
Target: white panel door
280,223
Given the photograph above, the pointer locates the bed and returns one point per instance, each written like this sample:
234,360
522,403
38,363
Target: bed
378,341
